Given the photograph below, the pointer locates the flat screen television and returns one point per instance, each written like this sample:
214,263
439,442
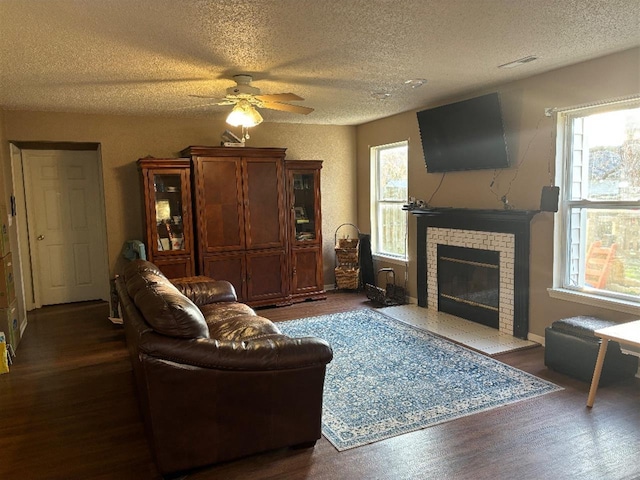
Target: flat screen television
466,135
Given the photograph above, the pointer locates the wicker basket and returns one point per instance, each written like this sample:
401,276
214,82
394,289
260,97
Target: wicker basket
347,277
347,251
348,243
347,269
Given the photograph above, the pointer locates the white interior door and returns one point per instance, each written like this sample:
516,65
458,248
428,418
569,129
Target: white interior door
66,226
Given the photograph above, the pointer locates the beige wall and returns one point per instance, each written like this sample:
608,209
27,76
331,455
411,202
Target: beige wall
531,144
345,176
124,139
5,166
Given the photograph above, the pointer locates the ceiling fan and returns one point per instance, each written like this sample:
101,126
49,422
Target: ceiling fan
246,97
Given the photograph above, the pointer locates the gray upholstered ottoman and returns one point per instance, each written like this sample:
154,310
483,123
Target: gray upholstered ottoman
572,348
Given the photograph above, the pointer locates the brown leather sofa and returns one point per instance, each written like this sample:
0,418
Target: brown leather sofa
215,381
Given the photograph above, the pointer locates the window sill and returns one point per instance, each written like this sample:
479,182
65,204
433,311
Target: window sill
392,260
595,300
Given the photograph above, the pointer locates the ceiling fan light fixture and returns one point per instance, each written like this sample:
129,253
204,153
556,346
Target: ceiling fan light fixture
380,95
415,82
244,115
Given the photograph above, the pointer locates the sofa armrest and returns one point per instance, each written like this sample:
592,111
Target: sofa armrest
271,352
203,290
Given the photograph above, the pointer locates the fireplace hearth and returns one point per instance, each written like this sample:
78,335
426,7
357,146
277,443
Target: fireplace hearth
504,232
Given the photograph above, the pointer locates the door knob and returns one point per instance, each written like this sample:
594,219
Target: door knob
40,237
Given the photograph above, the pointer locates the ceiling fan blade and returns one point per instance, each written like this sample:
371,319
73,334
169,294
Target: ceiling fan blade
108,83
285,107
279,97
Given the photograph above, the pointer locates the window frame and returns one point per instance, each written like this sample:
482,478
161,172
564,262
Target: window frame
562,289
375,202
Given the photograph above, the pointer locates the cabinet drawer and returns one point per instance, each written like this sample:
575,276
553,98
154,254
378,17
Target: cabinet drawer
175,267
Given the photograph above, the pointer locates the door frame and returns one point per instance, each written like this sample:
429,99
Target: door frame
31,293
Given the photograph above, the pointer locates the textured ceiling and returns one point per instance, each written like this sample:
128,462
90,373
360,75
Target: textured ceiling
149,56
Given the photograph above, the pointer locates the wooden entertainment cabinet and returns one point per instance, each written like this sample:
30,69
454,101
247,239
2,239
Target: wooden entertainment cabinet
166,188
256,222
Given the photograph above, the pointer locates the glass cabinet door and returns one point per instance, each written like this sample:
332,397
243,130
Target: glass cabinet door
306,280
304,206
168,212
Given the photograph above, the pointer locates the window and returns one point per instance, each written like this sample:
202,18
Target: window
388,193
600,211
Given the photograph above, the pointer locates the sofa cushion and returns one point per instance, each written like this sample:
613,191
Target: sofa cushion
215,312
139,273
243,328
203,290
169,312
140,281
138,266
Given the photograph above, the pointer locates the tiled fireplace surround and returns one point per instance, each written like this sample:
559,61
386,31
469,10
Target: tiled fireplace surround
505,231
500,242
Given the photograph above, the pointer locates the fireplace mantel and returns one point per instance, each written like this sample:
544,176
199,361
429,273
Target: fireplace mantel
502,220
516,222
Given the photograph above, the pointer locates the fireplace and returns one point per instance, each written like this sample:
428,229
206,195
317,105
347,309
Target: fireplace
469,283
503,233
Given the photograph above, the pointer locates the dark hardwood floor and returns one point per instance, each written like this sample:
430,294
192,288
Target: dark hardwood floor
68,411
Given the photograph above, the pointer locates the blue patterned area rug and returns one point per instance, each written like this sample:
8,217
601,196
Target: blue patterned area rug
388,378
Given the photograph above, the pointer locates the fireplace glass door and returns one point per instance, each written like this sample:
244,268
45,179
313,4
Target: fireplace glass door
469,283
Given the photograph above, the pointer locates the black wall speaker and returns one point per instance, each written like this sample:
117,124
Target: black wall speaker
549,199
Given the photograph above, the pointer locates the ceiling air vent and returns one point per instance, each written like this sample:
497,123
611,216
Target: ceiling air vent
517,63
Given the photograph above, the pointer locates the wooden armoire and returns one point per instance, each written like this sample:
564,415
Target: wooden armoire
248,229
